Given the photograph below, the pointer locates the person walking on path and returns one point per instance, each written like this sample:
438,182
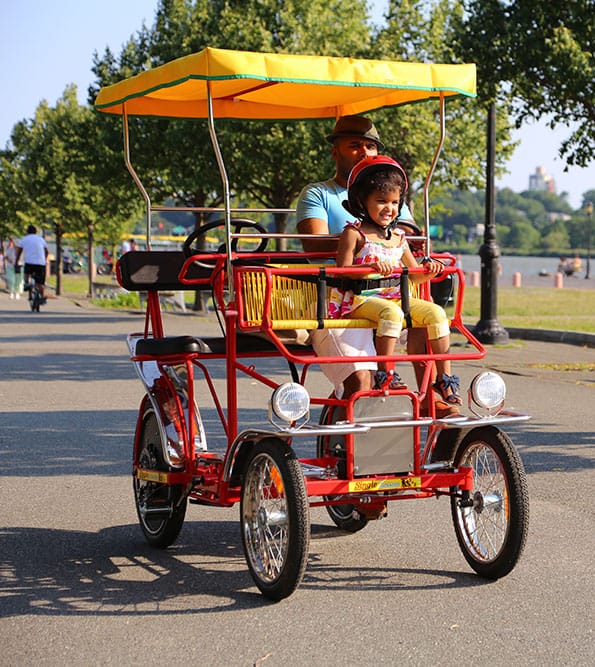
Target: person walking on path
14,282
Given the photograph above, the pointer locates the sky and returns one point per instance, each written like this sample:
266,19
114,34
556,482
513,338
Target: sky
45,46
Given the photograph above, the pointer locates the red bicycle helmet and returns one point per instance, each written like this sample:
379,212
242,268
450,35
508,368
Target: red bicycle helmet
366,168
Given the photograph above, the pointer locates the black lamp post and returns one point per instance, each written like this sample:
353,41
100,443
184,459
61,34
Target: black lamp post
488,329
589,209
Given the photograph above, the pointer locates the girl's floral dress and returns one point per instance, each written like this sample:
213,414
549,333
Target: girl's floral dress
344,302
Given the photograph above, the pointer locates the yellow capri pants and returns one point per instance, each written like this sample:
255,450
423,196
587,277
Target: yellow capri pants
391,319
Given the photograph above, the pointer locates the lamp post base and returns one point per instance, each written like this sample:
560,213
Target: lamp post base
490,332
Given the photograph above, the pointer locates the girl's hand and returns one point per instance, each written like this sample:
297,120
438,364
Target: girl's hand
383,268
433,268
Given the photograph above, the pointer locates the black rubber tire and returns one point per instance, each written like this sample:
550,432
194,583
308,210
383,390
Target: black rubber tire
492,533
344,516
160,511
35,299
275,518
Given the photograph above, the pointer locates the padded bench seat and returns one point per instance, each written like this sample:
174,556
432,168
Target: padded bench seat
156,347
174,345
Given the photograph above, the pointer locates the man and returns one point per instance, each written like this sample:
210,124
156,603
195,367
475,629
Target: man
320,211
35,250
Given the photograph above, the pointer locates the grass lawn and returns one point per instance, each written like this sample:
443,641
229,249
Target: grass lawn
537,308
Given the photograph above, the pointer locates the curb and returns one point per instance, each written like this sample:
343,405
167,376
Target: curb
552,336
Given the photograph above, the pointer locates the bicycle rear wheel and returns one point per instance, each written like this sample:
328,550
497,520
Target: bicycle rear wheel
35,298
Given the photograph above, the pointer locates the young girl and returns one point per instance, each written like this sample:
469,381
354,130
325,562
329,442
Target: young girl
376,190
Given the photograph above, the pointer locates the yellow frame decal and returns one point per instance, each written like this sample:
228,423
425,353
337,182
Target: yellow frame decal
152,476
365,485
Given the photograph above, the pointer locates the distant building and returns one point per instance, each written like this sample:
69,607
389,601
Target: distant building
553,216
541,182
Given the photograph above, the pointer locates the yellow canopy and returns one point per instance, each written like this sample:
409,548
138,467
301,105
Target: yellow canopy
274,85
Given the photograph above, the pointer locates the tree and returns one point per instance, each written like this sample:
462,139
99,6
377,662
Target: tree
268,163
540,56
10,195
418,30
59,169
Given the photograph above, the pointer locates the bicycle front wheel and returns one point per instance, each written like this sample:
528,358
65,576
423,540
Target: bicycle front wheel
275,519
492,527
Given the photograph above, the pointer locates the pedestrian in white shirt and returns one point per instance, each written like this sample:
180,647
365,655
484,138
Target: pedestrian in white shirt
35,251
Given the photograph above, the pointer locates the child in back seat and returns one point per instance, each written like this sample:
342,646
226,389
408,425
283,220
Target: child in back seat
376,191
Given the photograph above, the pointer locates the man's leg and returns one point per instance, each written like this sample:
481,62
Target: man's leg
352,375
358,381
417,344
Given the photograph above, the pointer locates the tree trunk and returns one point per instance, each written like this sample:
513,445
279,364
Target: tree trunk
58,232
91,262
281,228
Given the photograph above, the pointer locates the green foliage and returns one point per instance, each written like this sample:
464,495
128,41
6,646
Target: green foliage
540,57
124,300
418,30
65,165
530,223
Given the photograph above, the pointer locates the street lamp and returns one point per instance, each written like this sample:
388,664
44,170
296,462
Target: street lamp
589,210
488,329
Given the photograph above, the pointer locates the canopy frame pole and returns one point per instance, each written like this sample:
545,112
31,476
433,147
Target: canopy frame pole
431,170
226,193
135,176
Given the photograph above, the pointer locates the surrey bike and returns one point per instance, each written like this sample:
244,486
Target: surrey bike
363,452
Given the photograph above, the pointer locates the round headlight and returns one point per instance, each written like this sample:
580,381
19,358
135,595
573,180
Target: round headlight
290,402
487,392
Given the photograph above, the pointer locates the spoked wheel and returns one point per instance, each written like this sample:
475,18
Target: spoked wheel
160,509
344,516
492,531
275,519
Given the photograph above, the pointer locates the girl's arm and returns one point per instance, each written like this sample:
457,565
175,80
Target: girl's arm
348,242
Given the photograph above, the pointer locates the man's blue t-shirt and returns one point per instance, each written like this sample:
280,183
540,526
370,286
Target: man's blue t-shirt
324,200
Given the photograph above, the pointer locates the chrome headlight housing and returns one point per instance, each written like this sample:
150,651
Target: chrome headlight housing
290,403
486,394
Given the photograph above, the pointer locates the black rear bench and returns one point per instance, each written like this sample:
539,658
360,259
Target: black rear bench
146,270
158,270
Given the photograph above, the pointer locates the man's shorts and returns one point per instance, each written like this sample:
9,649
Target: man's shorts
37,271
344,343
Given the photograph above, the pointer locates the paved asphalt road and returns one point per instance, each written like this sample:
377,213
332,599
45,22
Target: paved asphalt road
79,585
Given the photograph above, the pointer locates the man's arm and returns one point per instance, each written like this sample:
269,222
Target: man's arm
310,226
19,253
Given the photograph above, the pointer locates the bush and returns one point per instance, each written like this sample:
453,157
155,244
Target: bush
122,300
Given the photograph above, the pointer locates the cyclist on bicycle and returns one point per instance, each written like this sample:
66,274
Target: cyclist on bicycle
35,250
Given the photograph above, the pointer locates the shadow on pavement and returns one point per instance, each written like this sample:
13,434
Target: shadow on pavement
62,573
